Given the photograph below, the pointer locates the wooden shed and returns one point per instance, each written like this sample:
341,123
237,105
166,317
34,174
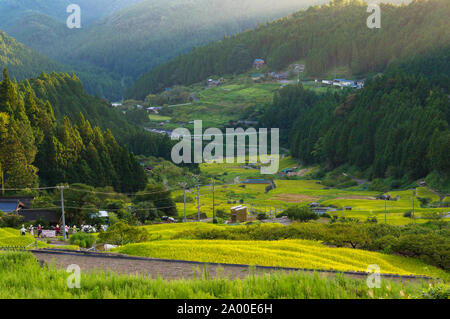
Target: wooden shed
239,214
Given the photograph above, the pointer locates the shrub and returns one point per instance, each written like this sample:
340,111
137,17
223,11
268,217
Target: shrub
122,234
11,220
302,214
261,216
83,240
221,213
424,201
438,291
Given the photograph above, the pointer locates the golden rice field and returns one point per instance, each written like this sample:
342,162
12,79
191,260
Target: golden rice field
10,237
283,253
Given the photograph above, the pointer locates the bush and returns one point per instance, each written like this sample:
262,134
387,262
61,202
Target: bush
372,219
438,291
11,220
83,240
221,213
302,214
122,234
407,214
261,216
424,201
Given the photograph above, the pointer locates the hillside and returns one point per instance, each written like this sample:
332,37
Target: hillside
22,61
396,128
13,11
122,44
69,100
325,38
35,149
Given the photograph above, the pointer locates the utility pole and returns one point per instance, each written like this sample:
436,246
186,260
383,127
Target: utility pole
61,189
413,210
183,184
2,177
198,202
197,177
214,208
385,210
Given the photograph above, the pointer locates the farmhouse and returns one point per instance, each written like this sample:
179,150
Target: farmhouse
258,63
297,68
11,205
214,83
20,206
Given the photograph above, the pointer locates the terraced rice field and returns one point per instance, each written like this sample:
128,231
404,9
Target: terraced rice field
10,237
283,253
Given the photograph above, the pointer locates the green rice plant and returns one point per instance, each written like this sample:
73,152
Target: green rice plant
23,277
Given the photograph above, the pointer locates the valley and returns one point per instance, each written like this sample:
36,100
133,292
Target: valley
120,174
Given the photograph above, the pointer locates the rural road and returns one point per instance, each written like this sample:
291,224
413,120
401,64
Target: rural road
168,269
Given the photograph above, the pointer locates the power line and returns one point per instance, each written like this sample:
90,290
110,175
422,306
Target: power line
125,194
28,188
117,209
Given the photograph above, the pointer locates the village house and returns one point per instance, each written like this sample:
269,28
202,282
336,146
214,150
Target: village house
154,109
258,63
11,205
214,83
297,68
280,76
21,206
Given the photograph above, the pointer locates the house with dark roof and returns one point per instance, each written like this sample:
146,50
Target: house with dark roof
20,206
11,205
258,63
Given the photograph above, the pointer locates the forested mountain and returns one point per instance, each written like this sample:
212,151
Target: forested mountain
37,150
324,38
396,127
66,95
22,61
13,11
128,42
434,65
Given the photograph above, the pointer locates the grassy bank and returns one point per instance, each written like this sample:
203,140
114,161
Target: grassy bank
22,277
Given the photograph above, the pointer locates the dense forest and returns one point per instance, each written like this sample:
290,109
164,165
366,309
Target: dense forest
36,149
68,99
325,38
22,61
396,127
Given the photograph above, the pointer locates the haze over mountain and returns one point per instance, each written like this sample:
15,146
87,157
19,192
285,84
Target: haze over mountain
326,38
122,39
22,61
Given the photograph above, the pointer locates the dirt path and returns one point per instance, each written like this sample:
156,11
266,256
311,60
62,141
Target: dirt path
169,269
153,268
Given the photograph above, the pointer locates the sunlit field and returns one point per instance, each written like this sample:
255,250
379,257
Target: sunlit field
283,253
